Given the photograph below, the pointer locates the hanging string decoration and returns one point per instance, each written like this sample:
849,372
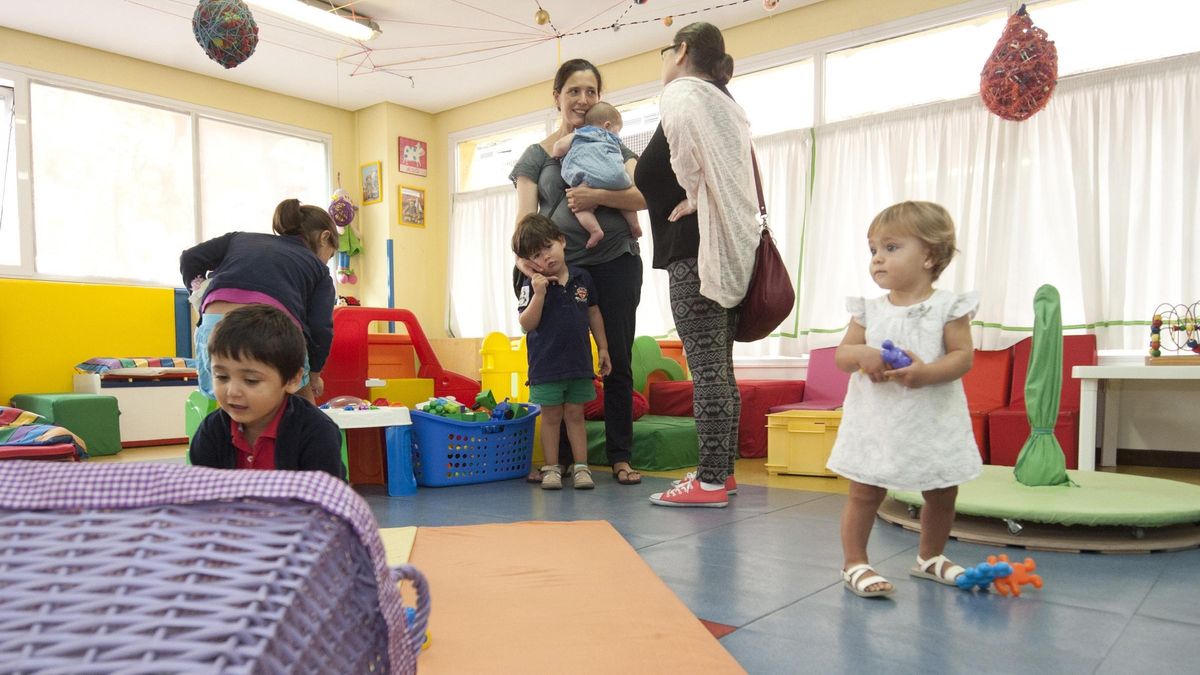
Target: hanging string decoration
1020,75
226,31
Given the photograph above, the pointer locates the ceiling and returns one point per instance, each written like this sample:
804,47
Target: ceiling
432,55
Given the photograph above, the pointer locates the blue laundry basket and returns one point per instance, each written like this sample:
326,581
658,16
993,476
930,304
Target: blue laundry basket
451,452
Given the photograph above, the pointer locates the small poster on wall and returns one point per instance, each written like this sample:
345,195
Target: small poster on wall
413,155
412,206
372,190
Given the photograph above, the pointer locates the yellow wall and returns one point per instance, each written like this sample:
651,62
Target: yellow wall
46,328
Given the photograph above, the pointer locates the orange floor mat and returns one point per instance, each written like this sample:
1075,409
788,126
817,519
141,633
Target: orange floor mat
537,597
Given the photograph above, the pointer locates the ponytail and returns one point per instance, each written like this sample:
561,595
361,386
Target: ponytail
308,222
706,51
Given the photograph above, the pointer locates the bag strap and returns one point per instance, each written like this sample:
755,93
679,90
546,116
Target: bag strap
762,204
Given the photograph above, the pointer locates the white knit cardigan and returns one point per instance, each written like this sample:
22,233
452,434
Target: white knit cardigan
709,137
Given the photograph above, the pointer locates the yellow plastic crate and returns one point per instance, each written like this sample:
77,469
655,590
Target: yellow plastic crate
799,441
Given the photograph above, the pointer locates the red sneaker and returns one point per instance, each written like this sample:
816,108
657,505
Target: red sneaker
730,482
689,493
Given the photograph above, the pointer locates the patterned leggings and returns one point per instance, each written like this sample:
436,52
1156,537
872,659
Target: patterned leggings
706,329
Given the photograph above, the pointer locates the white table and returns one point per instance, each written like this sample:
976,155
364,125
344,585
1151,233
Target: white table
400,480
1111,376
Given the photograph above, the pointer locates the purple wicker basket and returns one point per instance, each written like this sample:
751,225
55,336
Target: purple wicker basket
257,584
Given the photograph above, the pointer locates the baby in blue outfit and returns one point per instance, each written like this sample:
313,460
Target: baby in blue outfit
592,155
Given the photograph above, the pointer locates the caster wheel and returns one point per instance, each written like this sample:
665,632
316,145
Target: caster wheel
1139,533
914,511
1013,526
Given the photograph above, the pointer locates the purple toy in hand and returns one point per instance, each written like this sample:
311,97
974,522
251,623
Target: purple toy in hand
894,356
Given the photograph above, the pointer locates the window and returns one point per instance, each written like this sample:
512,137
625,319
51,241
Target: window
777,99
1095,34
112,186
10,227
934,65
119,187
238,191
639,119
486,162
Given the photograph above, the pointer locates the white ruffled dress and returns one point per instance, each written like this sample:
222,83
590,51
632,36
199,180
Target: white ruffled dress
899,438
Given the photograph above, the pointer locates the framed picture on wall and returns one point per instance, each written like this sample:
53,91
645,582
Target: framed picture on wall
413,154
412,206
372,188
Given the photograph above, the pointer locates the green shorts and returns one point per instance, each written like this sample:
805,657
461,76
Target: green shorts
578,390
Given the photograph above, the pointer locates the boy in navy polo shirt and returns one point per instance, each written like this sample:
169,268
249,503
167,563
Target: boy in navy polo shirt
558,307
257,360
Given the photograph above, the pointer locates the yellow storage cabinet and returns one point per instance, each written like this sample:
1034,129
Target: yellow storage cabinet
799,441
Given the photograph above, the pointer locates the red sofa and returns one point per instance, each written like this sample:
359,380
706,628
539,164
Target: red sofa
1008,427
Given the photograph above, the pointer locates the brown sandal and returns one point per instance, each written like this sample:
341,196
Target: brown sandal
622,476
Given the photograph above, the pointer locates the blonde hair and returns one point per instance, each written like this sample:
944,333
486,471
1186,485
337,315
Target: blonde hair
931,223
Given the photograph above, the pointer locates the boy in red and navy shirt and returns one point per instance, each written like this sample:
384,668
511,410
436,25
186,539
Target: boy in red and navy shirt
257,359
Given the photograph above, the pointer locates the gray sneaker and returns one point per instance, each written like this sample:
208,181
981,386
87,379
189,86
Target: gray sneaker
551,477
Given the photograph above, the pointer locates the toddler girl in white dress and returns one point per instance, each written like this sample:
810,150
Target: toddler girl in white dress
906,428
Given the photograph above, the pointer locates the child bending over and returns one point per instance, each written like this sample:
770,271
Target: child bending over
906,428
558,307
257,361
592,155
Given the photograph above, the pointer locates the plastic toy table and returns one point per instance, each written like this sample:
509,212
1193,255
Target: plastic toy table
397,425
152,567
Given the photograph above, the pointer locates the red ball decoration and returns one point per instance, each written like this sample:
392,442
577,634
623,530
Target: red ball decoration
225,30
1022,71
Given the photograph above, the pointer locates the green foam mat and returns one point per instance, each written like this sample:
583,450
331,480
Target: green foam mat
660,443
1102,498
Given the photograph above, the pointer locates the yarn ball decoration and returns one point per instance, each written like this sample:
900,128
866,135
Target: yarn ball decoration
1020,75
341,209
225,30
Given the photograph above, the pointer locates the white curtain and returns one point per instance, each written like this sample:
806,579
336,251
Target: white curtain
481,261
1098,194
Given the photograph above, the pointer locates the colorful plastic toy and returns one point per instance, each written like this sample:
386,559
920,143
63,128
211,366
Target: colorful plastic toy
410,615
484,399
1021,576
982,575
894,356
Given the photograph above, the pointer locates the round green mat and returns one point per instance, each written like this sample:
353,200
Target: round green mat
1102,498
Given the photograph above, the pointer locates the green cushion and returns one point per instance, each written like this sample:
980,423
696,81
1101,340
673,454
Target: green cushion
1102,498
92,417
660,443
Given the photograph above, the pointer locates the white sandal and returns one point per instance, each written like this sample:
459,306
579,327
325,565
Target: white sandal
861,577
939,569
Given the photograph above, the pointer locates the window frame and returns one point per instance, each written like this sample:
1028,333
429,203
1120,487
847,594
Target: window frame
23,78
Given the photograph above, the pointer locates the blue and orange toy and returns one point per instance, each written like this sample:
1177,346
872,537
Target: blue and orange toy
1021,575
982,575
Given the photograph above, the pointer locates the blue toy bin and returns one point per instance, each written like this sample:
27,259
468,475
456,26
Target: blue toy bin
451,452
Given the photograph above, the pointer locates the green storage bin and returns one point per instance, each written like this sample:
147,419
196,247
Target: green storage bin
93,417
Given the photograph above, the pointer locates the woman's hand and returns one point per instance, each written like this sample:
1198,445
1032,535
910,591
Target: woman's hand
316,384
583,198
683,208
605,362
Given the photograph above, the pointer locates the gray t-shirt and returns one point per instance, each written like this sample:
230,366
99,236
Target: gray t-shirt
546,171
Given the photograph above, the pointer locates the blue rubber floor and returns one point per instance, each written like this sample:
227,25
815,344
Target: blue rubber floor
768,565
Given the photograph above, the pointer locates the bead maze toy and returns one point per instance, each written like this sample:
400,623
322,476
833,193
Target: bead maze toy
893,356
1022,575
1182,324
